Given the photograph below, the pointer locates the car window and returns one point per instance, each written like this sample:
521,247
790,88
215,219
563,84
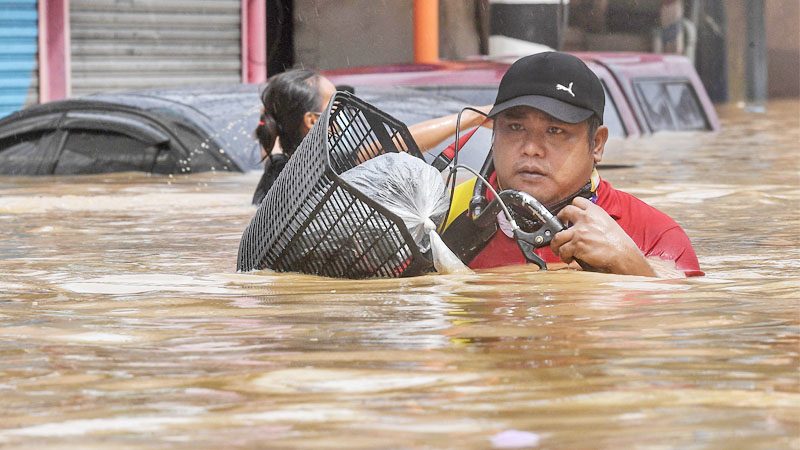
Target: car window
93,151
28,154
611,117
201,152
670,105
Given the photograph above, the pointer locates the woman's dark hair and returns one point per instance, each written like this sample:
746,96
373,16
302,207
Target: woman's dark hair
286,99
263,135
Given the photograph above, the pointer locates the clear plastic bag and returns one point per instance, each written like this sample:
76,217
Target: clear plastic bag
444,260
414,191
406,186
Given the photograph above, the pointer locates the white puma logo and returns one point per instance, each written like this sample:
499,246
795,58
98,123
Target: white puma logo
560,87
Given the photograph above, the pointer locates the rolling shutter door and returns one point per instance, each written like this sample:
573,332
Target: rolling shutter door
19,78
120,45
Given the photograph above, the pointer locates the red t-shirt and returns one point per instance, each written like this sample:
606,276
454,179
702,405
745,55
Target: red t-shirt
654,232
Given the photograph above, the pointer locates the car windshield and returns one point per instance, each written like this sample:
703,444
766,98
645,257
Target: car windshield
670,105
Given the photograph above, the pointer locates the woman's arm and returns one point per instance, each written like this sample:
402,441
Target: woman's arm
430,133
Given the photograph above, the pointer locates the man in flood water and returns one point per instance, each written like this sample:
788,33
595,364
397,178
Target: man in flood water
548,138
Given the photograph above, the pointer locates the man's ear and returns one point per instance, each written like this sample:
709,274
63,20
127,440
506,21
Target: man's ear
309,119
599,143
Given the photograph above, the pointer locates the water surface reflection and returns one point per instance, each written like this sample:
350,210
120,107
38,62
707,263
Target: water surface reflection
124,324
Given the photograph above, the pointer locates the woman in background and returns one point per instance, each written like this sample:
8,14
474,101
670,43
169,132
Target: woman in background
293,102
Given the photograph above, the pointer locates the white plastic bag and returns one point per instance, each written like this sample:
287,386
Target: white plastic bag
444,260
414,191
406,186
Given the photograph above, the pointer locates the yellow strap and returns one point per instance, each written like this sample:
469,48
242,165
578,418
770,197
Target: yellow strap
460,201
595,179
463,195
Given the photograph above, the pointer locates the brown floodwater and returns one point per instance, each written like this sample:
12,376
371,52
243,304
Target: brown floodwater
123,323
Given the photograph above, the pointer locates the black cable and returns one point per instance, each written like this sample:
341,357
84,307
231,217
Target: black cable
454,163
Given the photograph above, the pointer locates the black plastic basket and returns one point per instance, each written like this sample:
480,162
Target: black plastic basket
312,221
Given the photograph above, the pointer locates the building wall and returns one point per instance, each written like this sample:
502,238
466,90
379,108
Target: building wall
331,34
783,47
459,23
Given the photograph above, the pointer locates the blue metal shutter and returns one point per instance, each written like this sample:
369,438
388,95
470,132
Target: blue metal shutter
19,79
120,45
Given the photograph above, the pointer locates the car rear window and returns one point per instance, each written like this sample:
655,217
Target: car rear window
670,105
92,151
611,117
28,154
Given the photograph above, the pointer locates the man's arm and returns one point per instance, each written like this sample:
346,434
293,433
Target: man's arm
673,252
597,240
430,133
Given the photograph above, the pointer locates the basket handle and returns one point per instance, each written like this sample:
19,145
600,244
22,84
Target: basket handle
380,132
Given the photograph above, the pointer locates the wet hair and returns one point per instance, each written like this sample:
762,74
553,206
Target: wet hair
261,133
287,97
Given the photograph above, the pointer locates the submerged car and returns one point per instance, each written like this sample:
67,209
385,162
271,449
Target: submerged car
157,131
165,131
645,93
197,129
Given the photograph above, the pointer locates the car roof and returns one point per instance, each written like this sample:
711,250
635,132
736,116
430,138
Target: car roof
226,114
223,116
476,70
230,112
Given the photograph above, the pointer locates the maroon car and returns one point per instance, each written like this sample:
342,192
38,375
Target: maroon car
645,93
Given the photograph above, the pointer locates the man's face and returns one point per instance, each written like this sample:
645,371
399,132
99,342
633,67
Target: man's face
542,156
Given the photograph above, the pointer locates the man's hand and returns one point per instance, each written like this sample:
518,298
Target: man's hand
595,239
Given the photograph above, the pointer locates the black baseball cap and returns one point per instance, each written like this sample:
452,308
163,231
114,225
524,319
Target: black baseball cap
556,83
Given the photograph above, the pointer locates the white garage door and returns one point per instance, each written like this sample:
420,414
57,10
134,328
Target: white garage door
131,44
